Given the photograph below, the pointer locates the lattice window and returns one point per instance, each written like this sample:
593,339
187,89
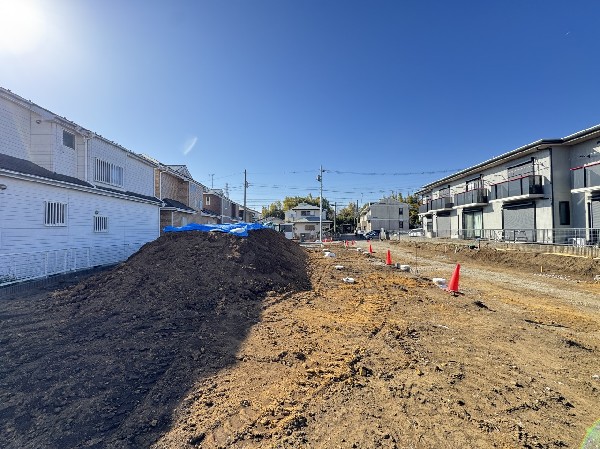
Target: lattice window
108,173
100,223
55,213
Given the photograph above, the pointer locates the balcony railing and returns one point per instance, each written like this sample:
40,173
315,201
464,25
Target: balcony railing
477,196
527,185
437,204
588,176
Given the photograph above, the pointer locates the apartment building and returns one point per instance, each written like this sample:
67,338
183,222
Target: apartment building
388,213
547,191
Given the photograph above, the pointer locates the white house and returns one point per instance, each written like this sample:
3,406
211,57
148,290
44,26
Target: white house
69,198
305,221
388,213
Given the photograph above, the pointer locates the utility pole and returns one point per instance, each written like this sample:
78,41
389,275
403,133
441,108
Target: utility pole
245,187
334,216
357,216
320,179
212,180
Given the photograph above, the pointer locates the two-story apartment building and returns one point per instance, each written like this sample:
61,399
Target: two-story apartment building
69,198
546,192
388,213
305,221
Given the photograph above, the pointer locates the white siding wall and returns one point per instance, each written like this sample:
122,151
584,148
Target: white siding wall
14,129
22,229
65,158
139,176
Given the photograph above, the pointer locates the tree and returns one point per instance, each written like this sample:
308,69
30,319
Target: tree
346,216
274,210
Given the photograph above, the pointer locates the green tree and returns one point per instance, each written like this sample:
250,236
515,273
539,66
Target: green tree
274,210
346,216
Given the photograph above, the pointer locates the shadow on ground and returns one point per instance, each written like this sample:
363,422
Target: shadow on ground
104,363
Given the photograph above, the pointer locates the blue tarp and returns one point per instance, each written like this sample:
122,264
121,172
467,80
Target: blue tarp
240,229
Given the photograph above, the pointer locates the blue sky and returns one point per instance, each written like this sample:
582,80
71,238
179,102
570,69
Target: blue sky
385,95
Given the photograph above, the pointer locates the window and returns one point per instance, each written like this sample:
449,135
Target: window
68,139
474,184
401,224
108,173
207,201
400,211
306,213
564,212
55,213
100,223
309,227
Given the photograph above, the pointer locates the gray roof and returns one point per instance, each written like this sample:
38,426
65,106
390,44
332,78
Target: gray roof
170,203
17,165
529,148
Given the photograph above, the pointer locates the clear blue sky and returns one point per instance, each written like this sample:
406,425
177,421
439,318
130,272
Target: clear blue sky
405,89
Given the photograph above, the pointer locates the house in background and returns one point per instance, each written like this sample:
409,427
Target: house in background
546,192
305,221
217,203
69,198
387,213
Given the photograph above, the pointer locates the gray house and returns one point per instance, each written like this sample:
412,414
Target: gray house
547,192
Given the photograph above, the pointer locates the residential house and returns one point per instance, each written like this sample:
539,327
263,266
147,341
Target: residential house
305,221
69,198
547,192
217,203
388,213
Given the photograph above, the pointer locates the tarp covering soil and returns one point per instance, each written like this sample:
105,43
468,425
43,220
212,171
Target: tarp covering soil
103,364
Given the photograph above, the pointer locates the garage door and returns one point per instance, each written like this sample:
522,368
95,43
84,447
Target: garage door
519,222
443,225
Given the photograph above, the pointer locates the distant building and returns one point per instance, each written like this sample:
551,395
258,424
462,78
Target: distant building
387,213
304,219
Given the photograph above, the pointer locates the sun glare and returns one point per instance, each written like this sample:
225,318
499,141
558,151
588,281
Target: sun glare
21,26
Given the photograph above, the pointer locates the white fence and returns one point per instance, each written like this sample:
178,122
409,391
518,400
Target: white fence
18,267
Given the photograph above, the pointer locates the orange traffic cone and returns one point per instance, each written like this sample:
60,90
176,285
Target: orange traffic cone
388,259
346,243
370,249
353,242
453,285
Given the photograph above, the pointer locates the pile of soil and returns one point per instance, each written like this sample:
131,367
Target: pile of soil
104,363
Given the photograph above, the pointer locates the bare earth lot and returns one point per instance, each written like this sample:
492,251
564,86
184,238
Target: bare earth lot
389,361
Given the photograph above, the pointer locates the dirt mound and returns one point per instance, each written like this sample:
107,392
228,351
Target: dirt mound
104,363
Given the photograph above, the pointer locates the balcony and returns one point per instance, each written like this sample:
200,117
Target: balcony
526,187
439,204
587,176
476,197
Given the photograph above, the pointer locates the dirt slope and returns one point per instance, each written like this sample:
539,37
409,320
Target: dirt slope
104,363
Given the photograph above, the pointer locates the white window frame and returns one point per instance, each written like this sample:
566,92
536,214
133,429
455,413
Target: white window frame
207,201
100,223
55,213
108,173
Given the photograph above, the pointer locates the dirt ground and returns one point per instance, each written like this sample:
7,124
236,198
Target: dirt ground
261,344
